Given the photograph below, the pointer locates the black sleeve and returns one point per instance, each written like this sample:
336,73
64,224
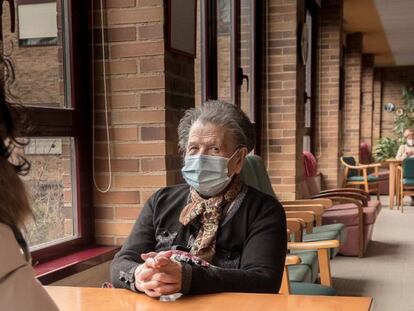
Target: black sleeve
262,260
140,240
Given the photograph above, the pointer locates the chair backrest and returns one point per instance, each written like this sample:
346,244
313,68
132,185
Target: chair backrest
350,161
364,154
310,164
254,174
408,168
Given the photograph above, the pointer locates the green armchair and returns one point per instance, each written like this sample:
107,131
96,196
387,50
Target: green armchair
358,175
406,178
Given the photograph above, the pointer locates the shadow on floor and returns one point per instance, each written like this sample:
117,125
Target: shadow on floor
378,248
351,287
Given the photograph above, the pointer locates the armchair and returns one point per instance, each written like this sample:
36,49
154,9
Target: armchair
405,175
358,175
298,267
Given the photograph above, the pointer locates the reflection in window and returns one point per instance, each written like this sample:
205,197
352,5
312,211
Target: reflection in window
224,37
35,55
37,24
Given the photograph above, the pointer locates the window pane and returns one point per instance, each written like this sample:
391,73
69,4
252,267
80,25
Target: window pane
246,28
224,50
51,184
308,77
35,54
306,143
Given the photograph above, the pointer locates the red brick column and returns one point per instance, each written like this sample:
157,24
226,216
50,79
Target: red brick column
367,104
352,108
283,108
149,89
327,95
377,97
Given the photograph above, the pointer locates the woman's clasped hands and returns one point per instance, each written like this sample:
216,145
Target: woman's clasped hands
159,274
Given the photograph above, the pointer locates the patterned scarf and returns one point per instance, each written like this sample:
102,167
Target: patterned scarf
209,212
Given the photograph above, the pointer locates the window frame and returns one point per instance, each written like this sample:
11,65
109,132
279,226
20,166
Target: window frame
71,122
314,8
209,70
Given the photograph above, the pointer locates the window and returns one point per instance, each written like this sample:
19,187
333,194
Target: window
312,11
308,83
231,50
49,81
52,184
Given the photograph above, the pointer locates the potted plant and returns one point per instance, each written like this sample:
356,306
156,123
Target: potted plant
386,148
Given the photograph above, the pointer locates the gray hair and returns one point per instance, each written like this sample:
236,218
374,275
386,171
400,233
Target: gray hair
221,114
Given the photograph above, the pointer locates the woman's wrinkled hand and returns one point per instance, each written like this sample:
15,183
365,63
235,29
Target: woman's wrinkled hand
158,275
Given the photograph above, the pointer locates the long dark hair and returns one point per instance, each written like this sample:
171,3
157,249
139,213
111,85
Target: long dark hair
14,202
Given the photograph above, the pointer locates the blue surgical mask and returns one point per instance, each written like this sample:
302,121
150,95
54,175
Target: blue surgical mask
207,174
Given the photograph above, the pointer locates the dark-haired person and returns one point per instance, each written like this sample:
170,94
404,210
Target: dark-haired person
19,289
214,233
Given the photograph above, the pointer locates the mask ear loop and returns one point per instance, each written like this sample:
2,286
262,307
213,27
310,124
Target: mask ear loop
235,152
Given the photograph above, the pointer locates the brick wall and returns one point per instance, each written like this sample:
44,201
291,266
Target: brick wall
352,107
327,92
378,110
149,89
282,146
393,80
367,100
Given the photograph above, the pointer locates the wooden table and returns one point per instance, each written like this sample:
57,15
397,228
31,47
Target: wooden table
78,298
393,163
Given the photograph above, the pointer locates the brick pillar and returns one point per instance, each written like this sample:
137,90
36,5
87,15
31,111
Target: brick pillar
377,97
283,134
327,94
352,108
149,89
367,100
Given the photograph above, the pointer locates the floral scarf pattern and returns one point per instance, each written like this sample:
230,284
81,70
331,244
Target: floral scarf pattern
209,213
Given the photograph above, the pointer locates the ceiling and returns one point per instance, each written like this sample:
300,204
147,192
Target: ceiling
387,27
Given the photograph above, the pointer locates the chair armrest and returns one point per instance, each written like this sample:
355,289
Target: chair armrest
340,198
360,191
298,223
318,209
292,260
325,202
308,218
304,246
374,165
346,194
322,248
358,167
295,226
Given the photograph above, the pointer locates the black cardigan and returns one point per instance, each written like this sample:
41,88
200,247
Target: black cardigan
250,246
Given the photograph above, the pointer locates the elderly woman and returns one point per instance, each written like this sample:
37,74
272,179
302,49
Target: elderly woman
406,150
214,233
